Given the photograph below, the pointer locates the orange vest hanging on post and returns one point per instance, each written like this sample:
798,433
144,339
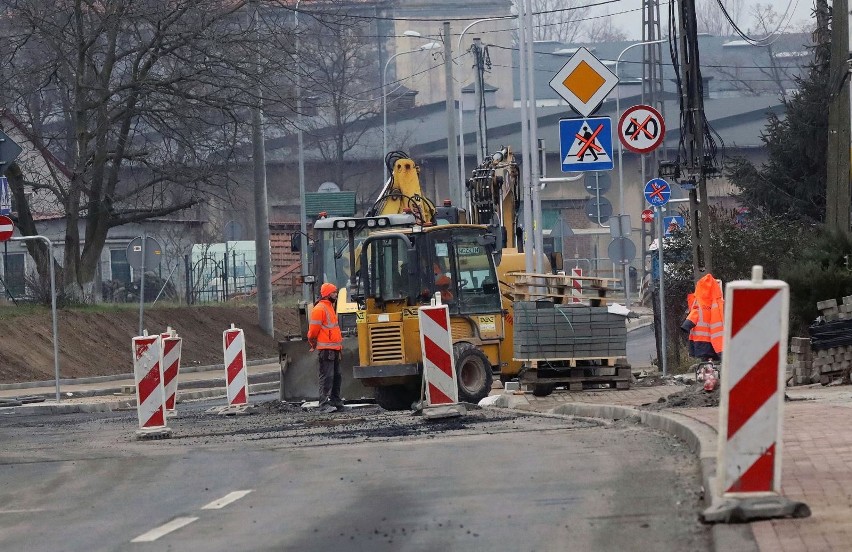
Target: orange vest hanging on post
705,322
324,333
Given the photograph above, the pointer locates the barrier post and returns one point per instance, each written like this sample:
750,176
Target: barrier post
236,374
576,286
150,397
748,466
172,345
439,365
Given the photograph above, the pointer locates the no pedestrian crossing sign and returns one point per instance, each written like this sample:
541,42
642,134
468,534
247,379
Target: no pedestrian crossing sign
657,192
586,144
672,224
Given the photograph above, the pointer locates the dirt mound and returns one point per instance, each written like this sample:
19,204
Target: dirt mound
693,396
96,341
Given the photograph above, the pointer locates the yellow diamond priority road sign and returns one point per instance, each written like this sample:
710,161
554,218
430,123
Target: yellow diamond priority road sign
584,82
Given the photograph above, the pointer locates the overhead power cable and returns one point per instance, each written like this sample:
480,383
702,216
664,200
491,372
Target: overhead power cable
771,37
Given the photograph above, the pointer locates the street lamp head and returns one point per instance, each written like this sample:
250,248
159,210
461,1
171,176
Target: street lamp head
431,46
412,34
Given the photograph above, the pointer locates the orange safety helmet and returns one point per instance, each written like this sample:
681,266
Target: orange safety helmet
443,281
327,289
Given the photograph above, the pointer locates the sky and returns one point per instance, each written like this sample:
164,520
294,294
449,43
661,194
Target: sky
631,22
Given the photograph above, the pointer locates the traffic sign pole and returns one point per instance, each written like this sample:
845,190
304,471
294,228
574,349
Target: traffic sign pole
142,285
659,217
52,304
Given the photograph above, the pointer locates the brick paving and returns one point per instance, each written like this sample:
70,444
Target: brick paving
816,462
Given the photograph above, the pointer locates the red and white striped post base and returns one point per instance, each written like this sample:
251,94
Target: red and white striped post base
439,365
150,397
576,286
748,466
172,345
236,374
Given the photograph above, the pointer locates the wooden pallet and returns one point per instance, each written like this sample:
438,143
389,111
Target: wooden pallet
578,378
559,287
572,362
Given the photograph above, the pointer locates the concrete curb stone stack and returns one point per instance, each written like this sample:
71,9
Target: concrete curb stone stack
543,330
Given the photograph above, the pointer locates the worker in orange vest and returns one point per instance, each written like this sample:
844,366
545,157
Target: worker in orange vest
324,336
705,322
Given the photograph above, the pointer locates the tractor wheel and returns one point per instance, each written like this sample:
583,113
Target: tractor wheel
396,397
473,372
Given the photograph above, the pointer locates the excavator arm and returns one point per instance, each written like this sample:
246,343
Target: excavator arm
402,192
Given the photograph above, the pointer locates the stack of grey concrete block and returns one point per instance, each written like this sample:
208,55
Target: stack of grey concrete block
827,354
832,363
546,331
831,311
800,370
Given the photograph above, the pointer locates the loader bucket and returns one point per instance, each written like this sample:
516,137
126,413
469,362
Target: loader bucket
299,378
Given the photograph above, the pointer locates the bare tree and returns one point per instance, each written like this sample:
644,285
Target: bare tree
558,20
340,75
711,20
780,59
603,29
142,102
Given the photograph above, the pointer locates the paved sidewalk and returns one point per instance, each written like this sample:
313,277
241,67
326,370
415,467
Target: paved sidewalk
817,459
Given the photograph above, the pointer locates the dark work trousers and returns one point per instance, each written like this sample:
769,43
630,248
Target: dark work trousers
329,376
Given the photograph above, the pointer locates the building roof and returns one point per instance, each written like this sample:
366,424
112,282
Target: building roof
733,67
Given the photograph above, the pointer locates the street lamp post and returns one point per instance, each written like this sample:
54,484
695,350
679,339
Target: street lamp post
626,275
303,217
425,47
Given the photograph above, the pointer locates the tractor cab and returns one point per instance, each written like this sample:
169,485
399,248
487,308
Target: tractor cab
408,269
402,270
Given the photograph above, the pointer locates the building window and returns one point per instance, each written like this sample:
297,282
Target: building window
14,274
119,266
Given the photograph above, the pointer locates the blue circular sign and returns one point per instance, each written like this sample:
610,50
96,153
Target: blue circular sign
657,192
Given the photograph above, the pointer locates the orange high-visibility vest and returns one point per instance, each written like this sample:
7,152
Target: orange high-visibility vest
707,311
323,330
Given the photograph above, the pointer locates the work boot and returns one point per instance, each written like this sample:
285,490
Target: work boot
337,403
327,408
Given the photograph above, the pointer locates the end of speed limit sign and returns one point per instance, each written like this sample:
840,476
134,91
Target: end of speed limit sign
641,129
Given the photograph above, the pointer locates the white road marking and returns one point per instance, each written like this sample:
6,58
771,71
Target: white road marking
24,511
225,500
164,529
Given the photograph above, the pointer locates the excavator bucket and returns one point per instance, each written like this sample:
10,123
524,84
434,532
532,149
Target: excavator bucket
299,373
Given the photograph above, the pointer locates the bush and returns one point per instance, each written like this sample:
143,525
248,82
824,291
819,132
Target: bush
817,272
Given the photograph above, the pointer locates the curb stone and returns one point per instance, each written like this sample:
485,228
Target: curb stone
115,377
40,409
699,438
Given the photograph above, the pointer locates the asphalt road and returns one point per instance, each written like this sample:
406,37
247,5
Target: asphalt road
641,347
362,480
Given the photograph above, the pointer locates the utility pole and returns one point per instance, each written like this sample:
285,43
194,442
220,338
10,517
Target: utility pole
837,193
456,192
692,128
480,103
263,270
652,94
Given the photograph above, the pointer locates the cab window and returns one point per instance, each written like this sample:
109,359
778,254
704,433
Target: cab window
477,285
388,278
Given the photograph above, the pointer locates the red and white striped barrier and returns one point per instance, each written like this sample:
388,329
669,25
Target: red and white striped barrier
172,345
748,476
576,286
148,373
236,374
439,365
